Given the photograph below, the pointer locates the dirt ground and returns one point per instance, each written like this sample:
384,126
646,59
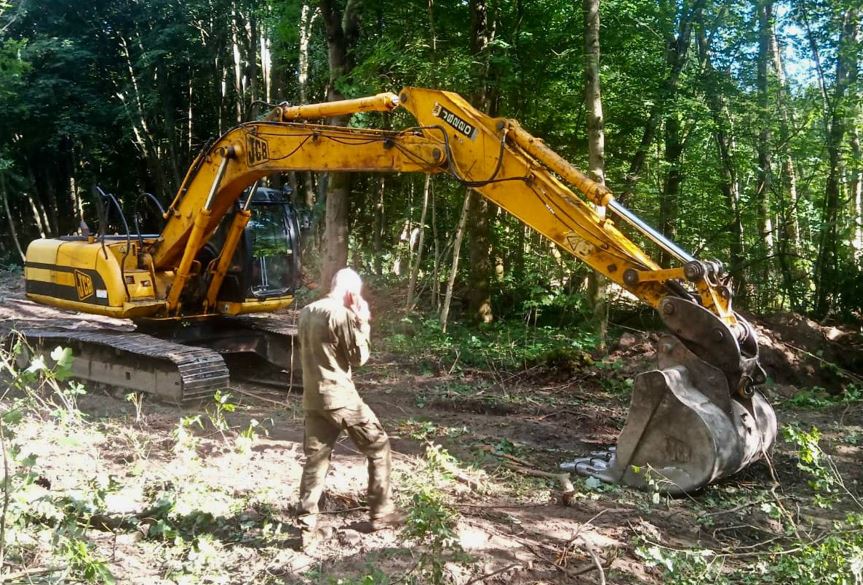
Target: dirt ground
232,497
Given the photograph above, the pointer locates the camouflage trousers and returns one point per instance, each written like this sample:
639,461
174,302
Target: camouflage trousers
322,429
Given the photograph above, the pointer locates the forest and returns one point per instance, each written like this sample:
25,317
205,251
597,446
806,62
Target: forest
732,127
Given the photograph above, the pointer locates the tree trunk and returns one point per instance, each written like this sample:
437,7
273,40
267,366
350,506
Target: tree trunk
36,204
791,225
307,19
9,219
826,266
190,126
677,51
480,211
456,249
408,231
670,202
794,277
729,183
597,284
253,33
342,30
435,287
855,173
819,68
37,217
336,229
378,235
432,32
266,66
238,62
855,191
74,194
420,245
765,174
140,128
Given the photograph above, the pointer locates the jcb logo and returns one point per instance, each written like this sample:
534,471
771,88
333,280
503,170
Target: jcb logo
259,150
84,285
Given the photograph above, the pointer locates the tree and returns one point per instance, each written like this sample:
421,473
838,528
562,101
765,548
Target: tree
481,212
677,50
596,148
713,86
827,263
721,152
764,183
342,29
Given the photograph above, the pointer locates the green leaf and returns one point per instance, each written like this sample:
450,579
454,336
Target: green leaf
592,483
13,417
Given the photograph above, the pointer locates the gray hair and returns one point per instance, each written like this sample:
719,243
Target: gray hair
346,280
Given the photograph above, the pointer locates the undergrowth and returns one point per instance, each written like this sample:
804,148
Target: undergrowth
818,397
505,345
61,509
43,532
803,550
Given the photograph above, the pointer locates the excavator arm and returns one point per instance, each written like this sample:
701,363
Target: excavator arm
495,157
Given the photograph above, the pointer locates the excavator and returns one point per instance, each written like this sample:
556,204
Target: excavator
229,248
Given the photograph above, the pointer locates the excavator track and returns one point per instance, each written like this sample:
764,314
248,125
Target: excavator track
137,362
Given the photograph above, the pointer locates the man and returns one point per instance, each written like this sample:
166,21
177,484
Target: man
334,336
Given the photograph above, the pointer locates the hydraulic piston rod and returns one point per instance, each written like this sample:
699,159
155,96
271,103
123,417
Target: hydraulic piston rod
596,192
653,235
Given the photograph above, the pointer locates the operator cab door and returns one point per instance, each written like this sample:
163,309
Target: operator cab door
266,264
272,238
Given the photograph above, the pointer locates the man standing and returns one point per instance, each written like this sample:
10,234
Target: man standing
334,336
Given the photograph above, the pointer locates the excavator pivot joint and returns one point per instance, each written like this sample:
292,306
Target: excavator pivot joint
694,270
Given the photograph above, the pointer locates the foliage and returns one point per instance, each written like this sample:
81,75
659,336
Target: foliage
29,510
431,524
833,556
835,559
501,345
125,94
818,397
431,521
824,478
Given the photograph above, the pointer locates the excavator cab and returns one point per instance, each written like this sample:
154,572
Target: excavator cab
273,243
266,263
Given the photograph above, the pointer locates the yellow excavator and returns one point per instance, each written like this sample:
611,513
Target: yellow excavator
229,248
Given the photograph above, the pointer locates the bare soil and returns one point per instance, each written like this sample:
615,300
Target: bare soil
514,527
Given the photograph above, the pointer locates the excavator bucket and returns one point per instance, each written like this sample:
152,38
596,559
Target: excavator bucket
688,425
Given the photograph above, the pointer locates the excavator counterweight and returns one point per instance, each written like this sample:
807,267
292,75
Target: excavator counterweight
696,418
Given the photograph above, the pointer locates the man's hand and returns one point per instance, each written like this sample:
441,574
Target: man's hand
359,306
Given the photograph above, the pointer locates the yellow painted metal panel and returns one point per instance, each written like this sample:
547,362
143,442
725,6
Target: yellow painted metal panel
254,306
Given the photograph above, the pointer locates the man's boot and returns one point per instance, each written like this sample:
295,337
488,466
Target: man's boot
394,519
